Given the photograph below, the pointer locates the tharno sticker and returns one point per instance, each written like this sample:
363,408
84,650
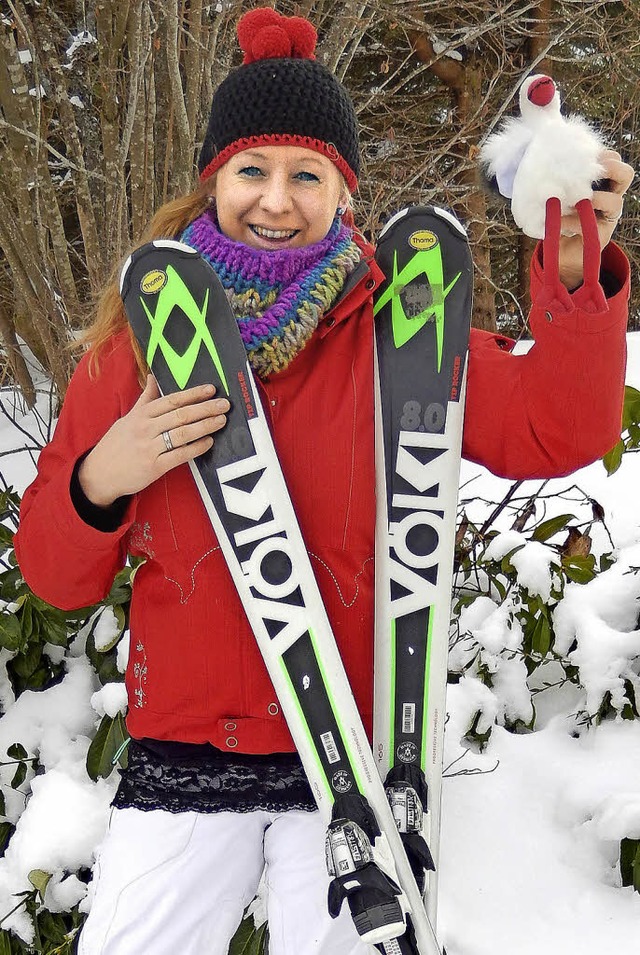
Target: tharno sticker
153,281
423,240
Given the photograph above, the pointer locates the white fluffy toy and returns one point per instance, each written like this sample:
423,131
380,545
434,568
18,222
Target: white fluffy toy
547,164
542,155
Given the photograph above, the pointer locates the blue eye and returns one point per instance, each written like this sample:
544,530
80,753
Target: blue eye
307,176
250,171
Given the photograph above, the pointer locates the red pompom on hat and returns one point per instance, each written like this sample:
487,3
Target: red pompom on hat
271,42
303,36
264,34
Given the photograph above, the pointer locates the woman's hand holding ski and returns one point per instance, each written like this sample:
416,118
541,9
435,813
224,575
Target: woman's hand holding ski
158,434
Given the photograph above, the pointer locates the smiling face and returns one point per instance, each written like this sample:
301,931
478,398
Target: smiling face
275,197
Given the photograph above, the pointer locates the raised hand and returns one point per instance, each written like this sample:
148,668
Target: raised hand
608,204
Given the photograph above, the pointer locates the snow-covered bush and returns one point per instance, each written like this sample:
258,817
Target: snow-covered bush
546,626
63,700
532,616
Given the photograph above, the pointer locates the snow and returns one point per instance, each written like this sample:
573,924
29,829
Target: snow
532,824
83,38
110,700
532,821
441,46
527,866
122,654
106,629
532,561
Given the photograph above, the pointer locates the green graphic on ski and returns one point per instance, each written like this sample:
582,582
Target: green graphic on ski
180,315
423,315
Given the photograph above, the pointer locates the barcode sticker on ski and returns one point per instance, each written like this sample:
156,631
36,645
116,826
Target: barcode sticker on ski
330,747
408,718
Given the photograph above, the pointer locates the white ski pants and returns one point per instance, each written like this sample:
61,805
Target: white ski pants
168,883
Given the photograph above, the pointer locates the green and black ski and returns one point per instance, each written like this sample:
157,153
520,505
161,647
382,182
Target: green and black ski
423,315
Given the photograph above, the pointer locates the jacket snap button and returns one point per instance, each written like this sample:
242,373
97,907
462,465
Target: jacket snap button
369,284
273,708
232,742
549,316
230,726
331,322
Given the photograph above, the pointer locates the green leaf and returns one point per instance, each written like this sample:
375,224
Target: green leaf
541,638
10,632
630,862
634,437
262,940
26,664
465,600
242,938
120,592
12,584
613,458
52,928
505,564
548,528
17,751
631,408
500,587
105,663
19,776
5,943
110,736
49,624
26,620
580,570
39,879
630,709
248,940
7,829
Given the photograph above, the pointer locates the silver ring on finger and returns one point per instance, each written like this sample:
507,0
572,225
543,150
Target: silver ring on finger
168,443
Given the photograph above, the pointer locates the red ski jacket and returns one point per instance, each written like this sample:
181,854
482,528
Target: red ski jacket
195,673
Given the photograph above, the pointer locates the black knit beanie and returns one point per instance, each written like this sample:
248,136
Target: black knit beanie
281,96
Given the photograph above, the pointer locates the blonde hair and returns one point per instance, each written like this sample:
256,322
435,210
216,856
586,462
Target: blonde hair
168,222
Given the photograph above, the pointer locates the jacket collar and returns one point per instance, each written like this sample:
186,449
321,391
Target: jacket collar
359,287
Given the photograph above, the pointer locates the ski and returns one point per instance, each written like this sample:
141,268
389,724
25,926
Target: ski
180,315
423,315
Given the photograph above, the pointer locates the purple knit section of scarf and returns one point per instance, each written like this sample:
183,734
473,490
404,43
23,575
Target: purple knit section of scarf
286,269
278,267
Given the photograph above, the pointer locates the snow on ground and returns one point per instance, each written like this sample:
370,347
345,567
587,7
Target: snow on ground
531,825
530,843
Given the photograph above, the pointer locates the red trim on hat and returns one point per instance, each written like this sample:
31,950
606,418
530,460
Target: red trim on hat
282,139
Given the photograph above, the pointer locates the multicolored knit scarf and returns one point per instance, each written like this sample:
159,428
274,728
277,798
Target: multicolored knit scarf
278,297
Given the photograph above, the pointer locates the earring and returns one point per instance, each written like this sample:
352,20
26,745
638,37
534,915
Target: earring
340,211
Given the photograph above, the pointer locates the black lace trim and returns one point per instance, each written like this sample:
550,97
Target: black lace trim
184,777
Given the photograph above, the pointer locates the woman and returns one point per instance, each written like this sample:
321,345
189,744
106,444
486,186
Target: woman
214,787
